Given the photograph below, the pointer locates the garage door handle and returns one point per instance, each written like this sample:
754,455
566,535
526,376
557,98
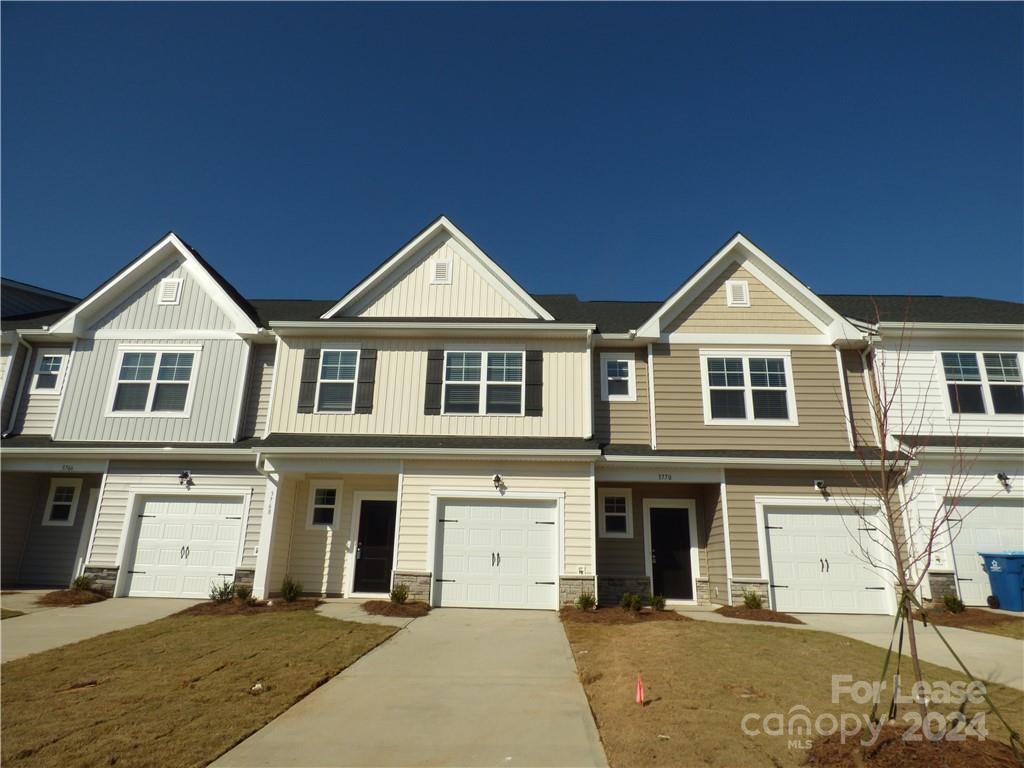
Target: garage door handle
822,565
182,555
492,559
188,551
499,559
827,566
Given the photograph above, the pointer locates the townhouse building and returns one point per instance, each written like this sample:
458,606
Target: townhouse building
440,427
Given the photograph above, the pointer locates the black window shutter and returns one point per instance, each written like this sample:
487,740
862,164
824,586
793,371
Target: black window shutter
307,382
435,376
367,374
534,382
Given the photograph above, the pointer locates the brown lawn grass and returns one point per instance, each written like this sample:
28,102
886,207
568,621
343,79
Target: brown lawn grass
174,692
702,678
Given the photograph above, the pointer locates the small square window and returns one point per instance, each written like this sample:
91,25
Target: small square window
49,372
615,507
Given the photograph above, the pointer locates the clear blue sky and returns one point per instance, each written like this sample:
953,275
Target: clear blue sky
600,149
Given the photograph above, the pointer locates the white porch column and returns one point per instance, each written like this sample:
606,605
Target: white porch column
261,586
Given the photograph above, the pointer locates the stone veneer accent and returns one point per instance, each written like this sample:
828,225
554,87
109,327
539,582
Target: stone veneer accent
703,592
611,588
752,585
571,587
103,577
941,584
418,584
245,577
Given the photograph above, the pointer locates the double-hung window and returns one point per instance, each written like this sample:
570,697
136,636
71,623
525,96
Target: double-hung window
618,377
483,383
323,506
754,387
62,501
49,373
154,382
994,386
616,513
336,388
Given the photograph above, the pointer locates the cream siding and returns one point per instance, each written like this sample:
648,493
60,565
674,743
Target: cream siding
422,478
623,421
257,390
142,310
680,408
401,384
38,410
412,294
767,313
214,400
124,477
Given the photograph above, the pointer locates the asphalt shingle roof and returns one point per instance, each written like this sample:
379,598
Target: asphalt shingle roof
926,309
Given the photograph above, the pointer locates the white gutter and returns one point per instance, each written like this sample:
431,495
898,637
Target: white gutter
429,325
753,461
397,452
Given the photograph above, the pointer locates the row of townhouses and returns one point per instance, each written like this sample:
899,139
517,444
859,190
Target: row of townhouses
441,427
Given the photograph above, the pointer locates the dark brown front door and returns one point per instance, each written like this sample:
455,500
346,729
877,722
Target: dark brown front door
375,548
670,553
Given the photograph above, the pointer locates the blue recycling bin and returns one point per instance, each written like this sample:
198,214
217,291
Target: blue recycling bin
1006,576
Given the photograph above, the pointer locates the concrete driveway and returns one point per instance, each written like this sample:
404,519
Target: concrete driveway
457,687
42,630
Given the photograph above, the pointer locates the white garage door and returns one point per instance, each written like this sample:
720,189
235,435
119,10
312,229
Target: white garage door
993,527
184,545
496,555
815,564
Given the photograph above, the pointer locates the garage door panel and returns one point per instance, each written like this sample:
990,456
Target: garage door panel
512,537
994,527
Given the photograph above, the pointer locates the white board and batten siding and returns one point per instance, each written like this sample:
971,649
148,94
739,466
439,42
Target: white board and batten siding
125,478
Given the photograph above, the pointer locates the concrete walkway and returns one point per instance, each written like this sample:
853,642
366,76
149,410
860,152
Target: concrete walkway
54,627
989,657
455,688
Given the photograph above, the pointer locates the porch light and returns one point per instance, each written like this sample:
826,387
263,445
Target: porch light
497,482
1004,479
185,479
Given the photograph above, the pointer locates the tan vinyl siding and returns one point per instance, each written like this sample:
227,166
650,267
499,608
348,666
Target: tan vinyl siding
214,402
141,310
767,313
38,410
257,390
400,391
619,421
421,478
717,567
742,486
12,383
123,477
680,408
22,496
413,295
859,399
318,557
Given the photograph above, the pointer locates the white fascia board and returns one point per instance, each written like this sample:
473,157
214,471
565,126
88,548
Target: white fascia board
427,328
501,278
951,330
240,454
718,461
540,454
618,340
73,321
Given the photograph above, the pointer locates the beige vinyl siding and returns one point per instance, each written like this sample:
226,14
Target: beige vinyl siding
859,399
421,478
38,410
742,486
411,294
317,557
257,390
680,407
16,366
619,421
401,388
767,313
48,559
717,567
123,477
142,310
214,401
22,495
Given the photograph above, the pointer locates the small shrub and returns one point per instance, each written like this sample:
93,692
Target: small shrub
630,602
399,594
82,583
223,592
752,600
290,589
244,593
586,601
658,603
953,603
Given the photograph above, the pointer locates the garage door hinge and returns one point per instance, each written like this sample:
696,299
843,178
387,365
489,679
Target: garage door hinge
544,522
878,589
773,527
869,528
446,520
447,581
544,582
963,579
147,515
779,586
136,571
238,517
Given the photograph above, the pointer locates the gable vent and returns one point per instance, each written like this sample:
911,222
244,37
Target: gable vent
170,290
442,274
737,293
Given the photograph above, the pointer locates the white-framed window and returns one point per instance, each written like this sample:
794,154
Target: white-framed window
737,293
170,291
618,377
51,366
615,513
324,505
155,381
748,387
992,385
336,381
62,501
441,272
477,382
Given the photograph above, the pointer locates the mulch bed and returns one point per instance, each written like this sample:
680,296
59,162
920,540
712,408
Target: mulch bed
891,751
617,616
412,610
242,608
968,617
71,597
756,614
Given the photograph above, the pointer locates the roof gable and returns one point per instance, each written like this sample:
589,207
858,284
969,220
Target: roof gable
740,253
473,285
